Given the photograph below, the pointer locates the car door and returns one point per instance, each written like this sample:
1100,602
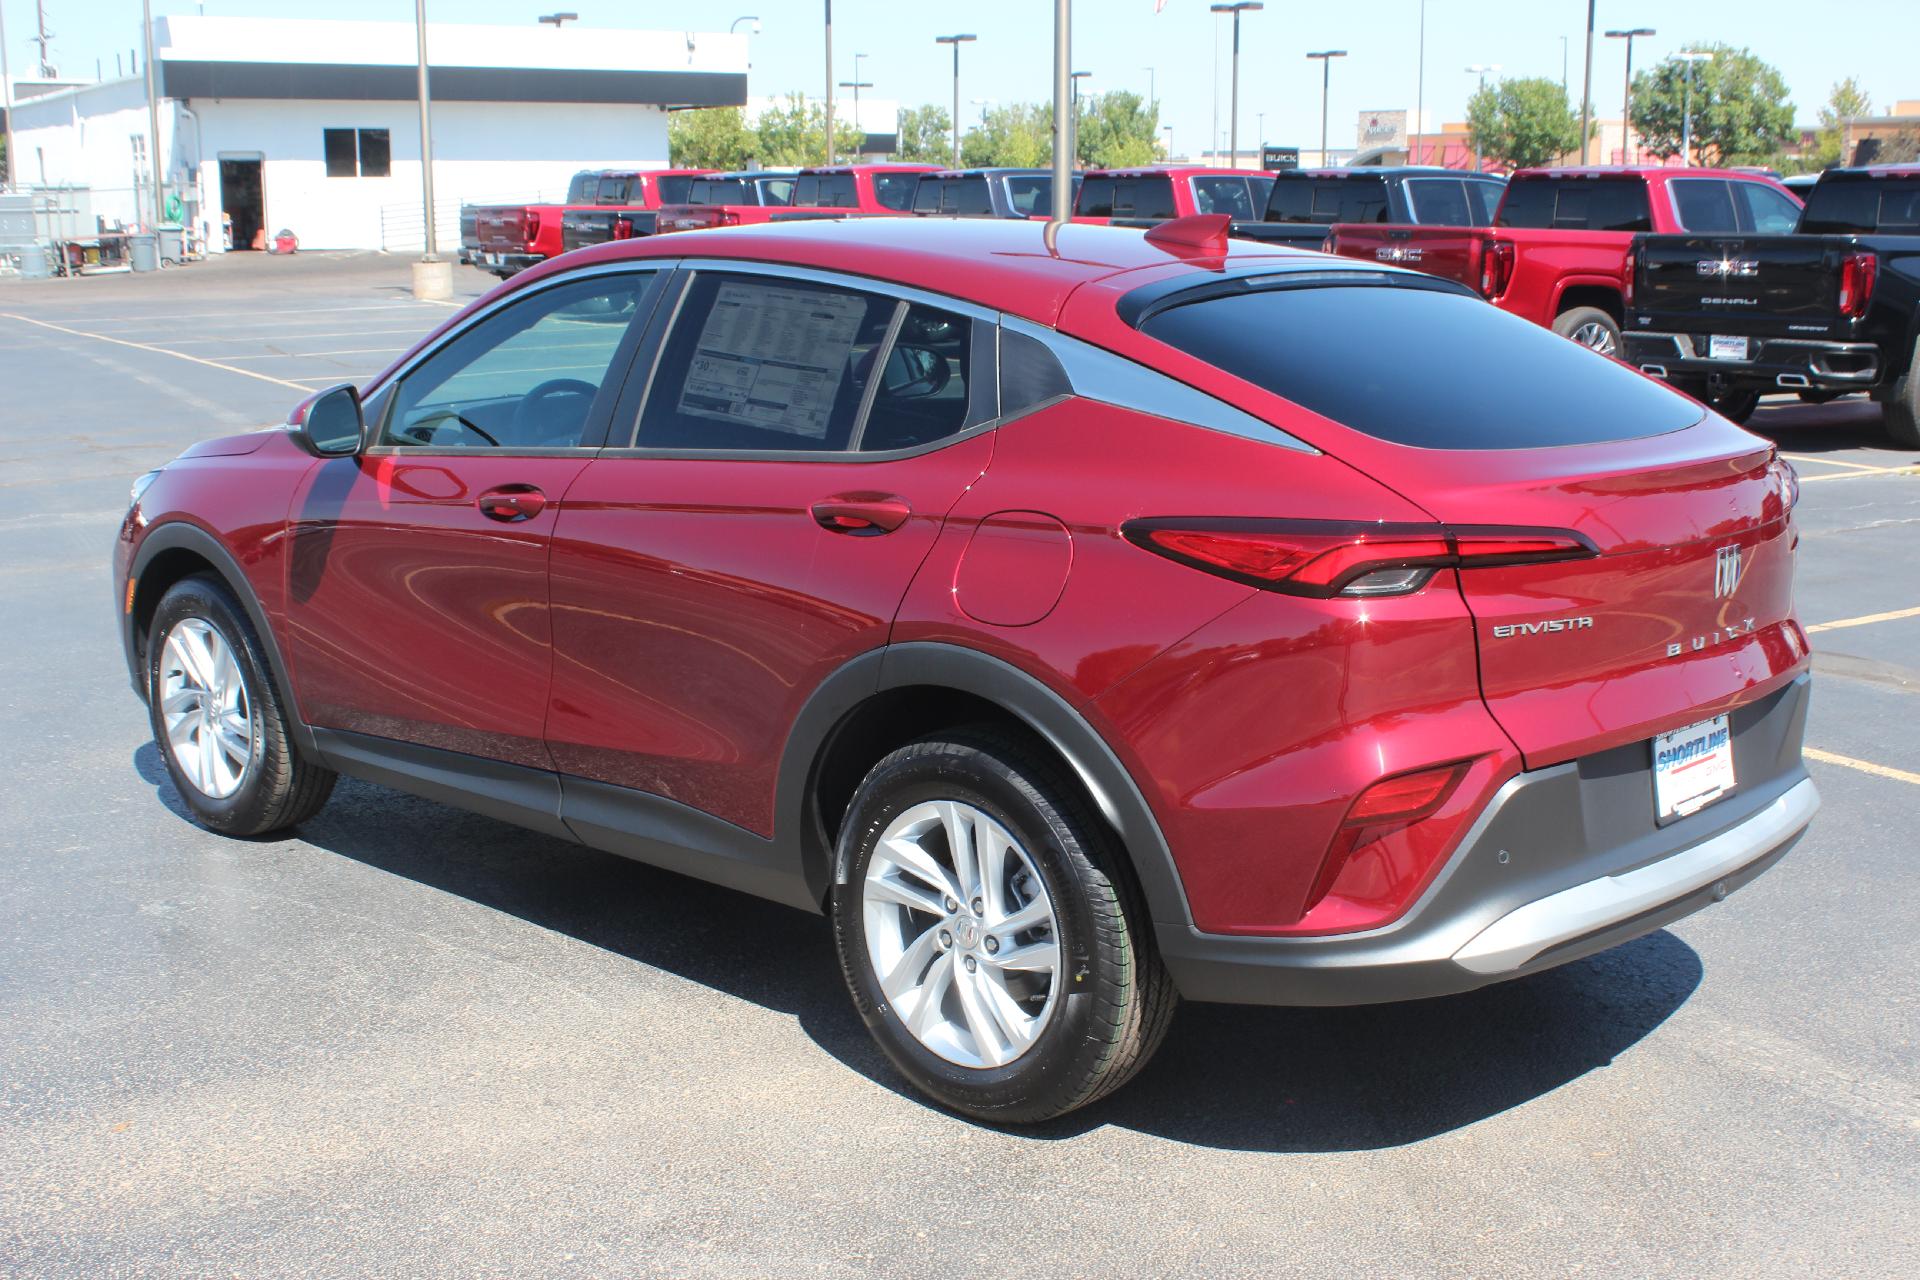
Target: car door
417,584
776,499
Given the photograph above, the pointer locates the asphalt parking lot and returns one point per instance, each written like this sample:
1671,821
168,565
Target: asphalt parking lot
415,1042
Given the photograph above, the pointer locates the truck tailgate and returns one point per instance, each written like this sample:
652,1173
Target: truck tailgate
1771,285
1453,253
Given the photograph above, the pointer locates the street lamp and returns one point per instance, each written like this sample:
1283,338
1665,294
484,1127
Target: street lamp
1326,57
829,4
1689,57
1420,88
1626,104
1152,97
735,24
1073,102
1059,208
956,42
1586,89
1480,69
1233,100
857,84
1168,130
555,19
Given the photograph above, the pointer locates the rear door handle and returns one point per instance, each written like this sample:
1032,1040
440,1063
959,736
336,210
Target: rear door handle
511,503
862,513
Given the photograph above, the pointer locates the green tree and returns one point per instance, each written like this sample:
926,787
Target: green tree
1848,101
710,138
794,132
1741,114
1117,129
1522,123
926,135
1019,134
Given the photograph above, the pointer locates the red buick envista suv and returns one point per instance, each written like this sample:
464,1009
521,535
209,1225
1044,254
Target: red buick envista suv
1082,618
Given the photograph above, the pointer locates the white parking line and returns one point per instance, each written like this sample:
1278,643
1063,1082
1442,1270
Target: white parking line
1863,472
1826,462
1864,766
306,355
303,337
141,346
1863,620
170,318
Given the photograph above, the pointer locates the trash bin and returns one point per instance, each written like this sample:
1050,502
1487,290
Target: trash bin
173,244
144,251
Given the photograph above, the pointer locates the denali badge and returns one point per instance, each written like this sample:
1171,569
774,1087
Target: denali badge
1399,253
1740,267
1726,571
1504,631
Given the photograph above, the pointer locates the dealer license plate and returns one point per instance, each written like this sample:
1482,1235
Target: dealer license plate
1692,767
1721,347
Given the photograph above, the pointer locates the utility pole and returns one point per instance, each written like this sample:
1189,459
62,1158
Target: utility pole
1326,57
1480,69
153,117
6,101
1061,207
1563,64
1626,101
1586,89
1689,57
830,81
1420,89
1153,99
1073,103
857,84
44,39
1237,8
956,42
432,278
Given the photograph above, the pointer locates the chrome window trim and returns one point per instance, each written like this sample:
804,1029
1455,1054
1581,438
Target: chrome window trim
1109,378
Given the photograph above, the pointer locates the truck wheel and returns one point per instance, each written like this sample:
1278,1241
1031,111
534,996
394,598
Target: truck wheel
1900,410
1590,327
1820,397
1736,406
991,943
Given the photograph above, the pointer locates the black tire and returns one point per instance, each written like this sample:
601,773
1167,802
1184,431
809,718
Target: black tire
1736,406
1820,397
1117,1000
1602,331
277,789
1900,406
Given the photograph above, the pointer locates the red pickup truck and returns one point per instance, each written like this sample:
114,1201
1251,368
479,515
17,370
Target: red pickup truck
625,205
842,191
1557,252
1156,193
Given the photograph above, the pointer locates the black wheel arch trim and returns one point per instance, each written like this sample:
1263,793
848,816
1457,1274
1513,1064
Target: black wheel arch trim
178,535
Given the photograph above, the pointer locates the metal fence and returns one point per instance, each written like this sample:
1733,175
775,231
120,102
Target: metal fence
403,228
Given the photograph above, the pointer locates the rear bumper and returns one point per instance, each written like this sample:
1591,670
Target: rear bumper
504,264
1772,364
1564,862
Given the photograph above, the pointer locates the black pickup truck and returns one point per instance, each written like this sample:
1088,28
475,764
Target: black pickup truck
1831,308
1306,203
987,193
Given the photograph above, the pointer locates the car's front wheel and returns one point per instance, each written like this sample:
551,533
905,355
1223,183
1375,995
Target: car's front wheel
1590,327
218,720
986,933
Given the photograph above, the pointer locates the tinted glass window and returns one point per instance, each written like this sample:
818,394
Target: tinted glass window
1325,201
1143,197
1764,210
824,191
1030,194
1484,198
1577,204
1464,375
775,191
1439,202
757,362
926,195
967,196
340,147
1095,198
1704,204
524,377
614,188
922,395
581,189
672,189
1899,206
1223,195
894,190
715,191
376,153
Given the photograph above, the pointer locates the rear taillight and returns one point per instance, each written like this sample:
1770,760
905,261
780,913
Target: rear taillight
1857,274
531,227
623,228
1406,798
1338,558
1626,286
1496,268
726,218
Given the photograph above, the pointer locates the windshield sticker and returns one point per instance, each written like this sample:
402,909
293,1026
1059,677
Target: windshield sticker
772,357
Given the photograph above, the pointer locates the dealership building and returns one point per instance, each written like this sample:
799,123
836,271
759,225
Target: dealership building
314,125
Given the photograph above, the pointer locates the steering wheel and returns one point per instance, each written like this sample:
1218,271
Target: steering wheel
526,415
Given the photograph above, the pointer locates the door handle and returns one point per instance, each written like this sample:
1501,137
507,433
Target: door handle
862,514
511,503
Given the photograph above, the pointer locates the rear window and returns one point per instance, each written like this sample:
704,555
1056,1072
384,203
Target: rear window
964,196
1463,375
1109,197
775,191
895,190
1852,207
1231,196
1576,204
615,188
714,191
1326,201
674,189
581,189
1032,193
825,191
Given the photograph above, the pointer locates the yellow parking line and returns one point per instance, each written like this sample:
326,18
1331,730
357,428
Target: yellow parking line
141,346
1864,766
1863,620
1865,471
1826,462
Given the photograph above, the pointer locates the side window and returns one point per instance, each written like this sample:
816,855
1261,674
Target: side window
776,191
1143,198
1222,195
581,189
1765,210
1095,199
926,196
614,188
894,190
922,394
1484,198
523,378
1292,201
343,160
1619,205
1029,196
1705,205
757,362
1439,202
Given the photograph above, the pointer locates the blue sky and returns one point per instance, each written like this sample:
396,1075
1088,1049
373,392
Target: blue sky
1814,44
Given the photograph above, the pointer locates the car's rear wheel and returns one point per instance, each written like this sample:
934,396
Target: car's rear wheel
218,720
1736,406
990,942
1900,405
1590,327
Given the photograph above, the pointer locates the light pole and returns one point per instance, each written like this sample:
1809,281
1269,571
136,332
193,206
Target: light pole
1420,88
6,101
829,4
1059,209
1480,69
153,117
1586,90
1326,57
1626,101
1073,107
1563,64
555,19
857,84
734,26
1153,99
432,278
1237,8
1689,57
1168,130
956,42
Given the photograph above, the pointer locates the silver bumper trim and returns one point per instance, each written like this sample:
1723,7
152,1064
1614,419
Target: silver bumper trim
1520,935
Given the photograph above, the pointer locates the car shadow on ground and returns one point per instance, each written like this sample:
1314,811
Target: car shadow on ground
1299,1080
1850,423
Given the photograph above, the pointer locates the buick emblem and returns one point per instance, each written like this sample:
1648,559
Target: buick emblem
1739,268
1726,571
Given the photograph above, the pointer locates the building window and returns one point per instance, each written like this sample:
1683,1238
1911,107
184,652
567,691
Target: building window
365,153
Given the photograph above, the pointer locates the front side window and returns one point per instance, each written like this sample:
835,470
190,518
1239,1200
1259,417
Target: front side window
894,190
758,363
1705,205
1764,210
524,377
1439,202
1223,195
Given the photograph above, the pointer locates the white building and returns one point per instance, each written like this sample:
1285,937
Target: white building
314,125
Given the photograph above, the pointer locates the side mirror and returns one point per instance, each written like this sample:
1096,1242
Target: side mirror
330,425
914,372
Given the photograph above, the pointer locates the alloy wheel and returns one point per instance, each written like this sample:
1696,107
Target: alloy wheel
205,707
961,934
1597,336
